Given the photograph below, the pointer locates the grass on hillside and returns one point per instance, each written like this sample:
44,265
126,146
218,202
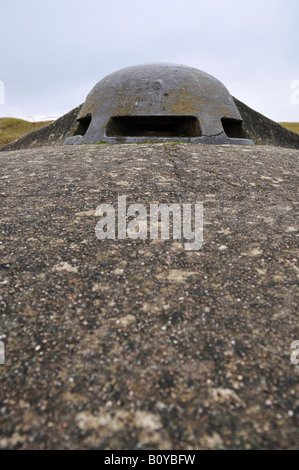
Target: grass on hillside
293,126
11,128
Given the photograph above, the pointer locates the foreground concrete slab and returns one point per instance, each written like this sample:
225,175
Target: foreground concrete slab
133,344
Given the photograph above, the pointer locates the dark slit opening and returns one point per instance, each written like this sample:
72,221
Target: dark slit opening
83,125
233,128
153,126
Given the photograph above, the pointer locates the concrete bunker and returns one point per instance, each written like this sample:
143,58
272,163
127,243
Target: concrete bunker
159,102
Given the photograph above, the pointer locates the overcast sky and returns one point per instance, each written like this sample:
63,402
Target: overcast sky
54,52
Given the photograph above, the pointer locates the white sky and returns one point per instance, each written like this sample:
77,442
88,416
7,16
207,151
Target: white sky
53,52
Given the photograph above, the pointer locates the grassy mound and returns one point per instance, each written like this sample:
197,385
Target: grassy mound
292,126
11,128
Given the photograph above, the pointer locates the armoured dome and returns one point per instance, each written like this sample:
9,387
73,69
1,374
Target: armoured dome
159,102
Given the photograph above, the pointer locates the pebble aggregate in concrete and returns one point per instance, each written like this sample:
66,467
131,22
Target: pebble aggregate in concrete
136,344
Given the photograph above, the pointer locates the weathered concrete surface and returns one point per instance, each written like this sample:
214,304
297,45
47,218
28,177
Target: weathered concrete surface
141,344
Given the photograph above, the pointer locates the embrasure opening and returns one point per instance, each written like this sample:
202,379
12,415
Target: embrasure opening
83,125
233,128
153,126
